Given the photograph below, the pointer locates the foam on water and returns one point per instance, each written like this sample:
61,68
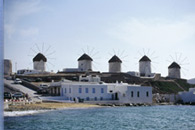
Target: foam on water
23,113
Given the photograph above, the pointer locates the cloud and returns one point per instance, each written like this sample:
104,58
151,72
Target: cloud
29,32
18,9
151,32
15,12
9,30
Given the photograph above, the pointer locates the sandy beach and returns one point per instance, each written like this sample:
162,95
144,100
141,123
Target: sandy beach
30,109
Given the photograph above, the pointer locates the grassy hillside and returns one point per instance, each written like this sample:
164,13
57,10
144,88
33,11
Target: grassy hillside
168,87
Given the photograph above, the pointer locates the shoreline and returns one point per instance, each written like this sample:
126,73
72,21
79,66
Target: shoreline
31,109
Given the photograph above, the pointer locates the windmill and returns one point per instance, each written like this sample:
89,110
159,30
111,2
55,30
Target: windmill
177,62
85,61
41,57
145,63
115,61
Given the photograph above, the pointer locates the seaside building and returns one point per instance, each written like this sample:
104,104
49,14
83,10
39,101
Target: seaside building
174,71
7,67
85,63
114,64
92,90
145,66
187,97
39,62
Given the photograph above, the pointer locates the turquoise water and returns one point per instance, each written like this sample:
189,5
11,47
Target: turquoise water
112,118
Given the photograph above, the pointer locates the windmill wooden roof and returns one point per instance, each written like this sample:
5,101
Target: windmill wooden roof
115,59
40,57
85,57
174,65
145,58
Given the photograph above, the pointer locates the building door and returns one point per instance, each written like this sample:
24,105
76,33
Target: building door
116,96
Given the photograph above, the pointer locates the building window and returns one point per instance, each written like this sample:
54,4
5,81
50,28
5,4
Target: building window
86,90
87,98
102,90
64,90
93,90
138,94
131,93
101,98
71,98
147,94
80,90
95,98
69,90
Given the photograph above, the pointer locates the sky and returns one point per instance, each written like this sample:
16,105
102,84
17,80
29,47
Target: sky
63,30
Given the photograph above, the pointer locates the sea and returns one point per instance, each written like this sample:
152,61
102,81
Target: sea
107,118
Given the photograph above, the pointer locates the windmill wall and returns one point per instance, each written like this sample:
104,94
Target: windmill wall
174,73
85,65
145,68
115,67
39,65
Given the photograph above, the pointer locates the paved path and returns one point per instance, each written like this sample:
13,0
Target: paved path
21,88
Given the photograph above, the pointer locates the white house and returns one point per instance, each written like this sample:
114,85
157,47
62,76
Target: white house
188,97
99,91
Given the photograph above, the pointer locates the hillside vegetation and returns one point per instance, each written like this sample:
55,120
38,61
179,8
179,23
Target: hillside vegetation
170,86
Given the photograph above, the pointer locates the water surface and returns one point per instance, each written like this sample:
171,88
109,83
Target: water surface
111,118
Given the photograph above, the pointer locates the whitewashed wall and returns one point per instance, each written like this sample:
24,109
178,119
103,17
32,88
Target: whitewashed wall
84,65
115,67
39,65
174,73
145,68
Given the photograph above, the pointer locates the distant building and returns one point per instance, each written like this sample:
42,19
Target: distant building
133,73
7,67
99,91
85,63
174,71
114,64
145,66
39,62
188,97
28,71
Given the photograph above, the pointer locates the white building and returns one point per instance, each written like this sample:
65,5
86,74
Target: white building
39,62
28,71
85,63
133,73
99,92
145,66
115,64
188,97
174,71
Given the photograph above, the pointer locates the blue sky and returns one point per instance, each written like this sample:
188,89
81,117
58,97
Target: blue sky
163,29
